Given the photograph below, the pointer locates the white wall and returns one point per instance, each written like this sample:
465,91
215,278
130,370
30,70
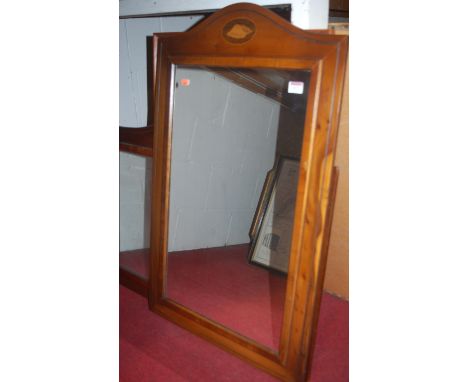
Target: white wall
135,170
224,140
135,177
132,63
307,14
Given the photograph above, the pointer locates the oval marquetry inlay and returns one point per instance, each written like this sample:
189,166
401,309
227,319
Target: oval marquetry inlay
239,30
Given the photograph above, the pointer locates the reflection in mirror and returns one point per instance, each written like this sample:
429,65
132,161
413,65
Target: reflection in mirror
236,142
135,208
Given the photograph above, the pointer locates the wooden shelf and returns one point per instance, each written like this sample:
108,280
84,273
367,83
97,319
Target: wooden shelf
137,140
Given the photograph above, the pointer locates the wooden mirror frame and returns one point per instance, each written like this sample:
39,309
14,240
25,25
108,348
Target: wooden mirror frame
268,42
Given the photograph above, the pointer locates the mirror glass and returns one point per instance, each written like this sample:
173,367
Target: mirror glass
236,143
135,213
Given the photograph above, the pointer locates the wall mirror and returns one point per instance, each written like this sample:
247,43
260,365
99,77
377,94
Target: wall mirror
226,140
246,109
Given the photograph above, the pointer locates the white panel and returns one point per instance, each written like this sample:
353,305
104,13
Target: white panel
178,23
224,139
135,178
221,186
138,31
133,110
142,7
215,228
189,188
239,230
306,14
134,34
127,102
311,14
191,227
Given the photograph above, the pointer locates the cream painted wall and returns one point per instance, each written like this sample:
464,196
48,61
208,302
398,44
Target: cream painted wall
224,140
133,110
306,14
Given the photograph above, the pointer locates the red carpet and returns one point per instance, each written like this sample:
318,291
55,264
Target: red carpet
222,285
153,349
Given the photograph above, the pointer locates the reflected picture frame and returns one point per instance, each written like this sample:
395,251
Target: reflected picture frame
270,240
260,211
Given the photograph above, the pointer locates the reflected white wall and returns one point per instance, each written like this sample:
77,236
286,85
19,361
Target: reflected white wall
224,140
133,110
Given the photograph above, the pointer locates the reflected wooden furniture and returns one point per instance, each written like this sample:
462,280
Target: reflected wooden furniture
137,140
248,36
131,276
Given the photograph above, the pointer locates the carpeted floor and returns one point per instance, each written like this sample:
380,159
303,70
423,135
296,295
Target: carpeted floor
221,284
153,349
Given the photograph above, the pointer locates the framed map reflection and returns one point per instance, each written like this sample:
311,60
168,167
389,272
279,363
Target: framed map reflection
271,243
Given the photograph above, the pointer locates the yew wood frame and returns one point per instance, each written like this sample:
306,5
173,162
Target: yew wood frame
325,56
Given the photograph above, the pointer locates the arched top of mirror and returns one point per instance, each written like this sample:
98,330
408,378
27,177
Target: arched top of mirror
248,29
